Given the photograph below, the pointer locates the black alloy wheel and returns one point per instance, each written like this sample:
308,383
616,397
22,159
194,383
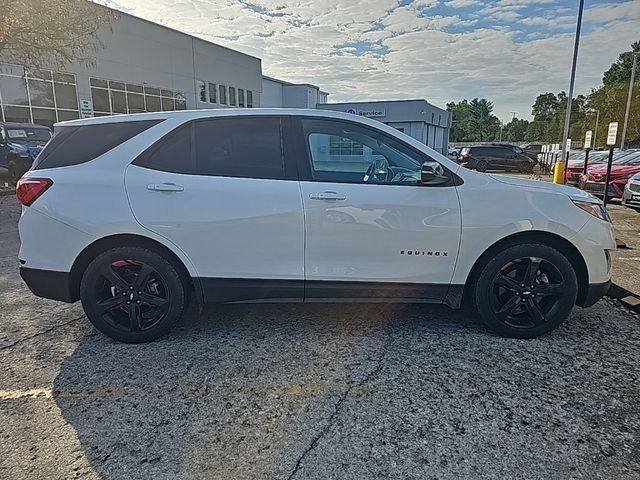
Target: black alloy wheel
524,290
133,294
481,166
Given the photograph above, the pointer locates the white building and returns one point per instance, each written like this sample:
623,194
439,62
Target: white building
142,67
278,93
417,118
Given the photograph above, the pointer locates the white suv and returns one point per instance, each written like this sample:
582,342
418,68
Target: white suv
134,214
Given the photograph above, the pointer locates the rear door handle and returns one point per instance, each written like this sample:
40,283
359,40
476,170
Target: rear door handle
165,187
327,196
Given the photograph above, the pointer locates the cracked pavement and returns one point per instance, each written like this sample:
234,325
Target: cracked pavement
313,392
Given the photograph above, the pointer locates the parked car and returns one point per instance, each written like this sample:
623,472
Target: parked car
453,151
133,215
575,165
492,157
623,168
20,143
532,150
631,194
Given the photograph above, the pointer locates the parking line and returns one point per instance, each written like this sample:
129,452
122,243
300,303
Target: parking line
28,393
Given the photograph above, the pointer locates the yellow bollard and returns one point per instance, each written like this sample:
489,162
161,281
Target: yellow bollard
558,173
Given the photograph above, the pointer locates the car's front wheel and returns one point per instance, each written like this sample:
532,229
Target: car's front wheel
525,290
133,294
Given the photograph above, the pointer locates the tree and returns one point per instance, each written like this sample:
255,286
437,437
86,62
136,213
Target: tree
473,121
515,130
53,33
620,71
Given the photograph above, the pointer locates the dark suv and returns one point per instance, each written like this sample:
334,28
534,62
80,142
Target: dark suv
20,144
493,157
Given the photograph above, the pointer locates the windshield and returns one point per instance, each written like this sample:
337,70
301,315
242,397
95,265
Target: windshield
628,157
28,134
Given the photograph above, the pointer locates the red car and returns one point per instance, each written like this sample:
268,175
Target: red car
621,170
575,166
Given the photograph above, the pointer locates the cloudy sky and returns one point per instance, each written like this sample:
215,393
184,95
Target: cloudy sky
442,50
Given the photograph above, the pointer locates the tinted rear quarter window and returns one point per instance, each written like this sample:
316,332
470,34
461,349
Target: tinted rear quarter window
228,147
73,145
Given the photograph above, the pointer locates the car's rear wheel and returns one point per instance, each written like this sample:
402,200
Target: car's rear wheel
481,166
133,294
525,290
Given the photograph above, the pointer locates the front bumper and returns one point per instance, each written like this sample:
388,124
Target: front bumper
48,284
595,291
631,198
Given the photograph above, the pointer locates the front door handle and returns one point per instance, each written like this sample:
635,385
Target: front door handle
165,187
327,196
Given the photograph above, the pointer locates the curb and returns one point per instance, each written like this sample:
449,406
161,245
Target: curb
624,296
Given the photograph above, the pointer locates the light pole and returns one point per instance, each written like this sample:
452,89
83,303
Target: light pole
626,113
558,175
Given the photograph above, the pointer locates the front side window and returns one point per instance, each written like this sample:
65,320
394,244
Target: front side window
346,152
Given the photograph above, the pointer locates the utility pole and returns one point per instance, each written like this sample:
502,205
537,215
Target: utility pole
558,174
626,113
514,115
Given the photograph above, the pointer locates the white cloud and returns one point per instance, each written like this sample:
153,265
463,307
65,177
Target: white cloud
461,3
297,42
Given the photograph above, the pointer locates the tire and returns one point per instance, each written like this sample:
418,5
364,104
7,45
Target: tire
481,166
526,168
508,308
133,294
12,172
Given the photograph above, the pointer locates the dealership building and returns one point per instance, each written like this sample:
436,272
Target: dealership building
147,67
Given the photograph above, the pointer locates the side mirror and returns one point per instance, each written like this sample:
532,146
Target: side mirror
432,173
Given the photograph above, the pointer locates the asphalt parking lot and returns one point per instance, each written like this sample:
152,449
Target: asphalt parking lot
313,391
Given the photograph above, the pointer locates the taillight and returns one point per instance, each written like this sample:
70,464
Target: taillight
29,189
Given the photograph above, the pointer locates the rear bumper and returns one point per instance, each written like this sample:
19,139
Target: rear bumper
48,284
595,292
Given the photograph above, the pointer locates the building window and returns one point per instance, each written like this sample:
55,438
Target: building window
202,91
111,97
249,99
223,94
43,97
232,96
212,93
240,97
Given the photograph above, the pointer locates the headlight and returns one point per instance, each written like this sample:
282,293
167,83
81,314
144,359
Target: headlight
595,209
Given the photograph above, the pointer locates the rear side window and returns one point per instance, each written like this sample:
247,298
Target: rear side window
227,147
72,145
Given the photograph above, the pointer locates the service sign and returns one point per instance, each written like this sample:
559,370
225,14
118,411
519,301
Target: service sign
587,139
568,145
612,134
